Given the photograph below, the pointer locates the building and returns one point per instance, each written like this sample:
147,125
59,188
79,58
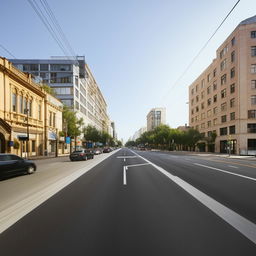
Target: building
223,98
74,85
155,117
138,133
26,109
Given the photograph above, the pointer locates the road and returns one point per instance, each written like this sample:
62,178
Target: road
145,203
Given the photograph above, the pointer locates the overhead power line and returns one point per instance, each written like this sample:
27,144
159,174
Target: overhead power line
7,51
200,51
52,26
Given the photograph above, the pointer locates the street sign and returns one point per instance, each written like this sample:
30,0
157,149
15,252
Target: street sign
67,140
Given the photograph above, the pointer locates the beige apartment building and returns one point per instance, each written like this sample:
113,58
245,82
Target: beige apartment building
223,98
155,117
26,109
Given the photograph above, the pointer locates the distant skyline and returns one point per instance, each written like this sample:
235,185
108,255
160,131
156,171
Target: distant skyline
135,49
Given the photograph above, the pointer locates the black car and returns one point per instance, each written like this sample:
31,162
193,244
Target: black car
82,154
12,165
107,150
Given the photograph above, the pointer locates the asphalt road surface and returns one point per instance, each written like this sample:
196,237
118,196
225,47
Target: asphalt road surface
145,203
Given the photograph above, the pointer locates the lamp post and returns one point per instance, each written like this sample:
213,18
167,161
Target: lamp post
26,111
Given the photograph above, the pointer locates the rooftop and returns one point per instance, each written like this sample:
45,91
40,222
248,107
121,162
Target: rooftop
248,21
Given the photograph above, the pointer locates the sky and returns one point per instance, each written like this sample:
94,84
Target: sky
136,49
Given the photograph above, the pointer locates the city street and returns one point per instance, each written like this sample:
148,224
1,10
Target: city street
134,203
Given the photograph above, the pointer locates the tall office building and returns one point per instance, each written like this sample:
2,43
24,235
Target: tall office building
155,117
74,85
223,98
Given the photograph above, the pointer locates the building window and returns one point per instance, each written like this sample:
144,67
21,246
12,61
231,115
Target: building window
215,110
215,85
253,34
224,119
192,102
192,120
192,91
209,90
33,146
232,102
209,124
60,67
209,77
221,54
223,79
223,106
209,113
253,68
232,88
33,67
25,105
253,99
197,98
253,84
214,72
68,103
223,93
63,90
251,128
215,98
197,88
197,108
251,144
202,116
233,56
202,84
232,116
192,112
76,81
209,101
77,93
253,51
54,120
232,72
203,125
251,114
223,131
232,129
77,105
215,121
43,67
14,102
223,64
233,41
202,105
202,95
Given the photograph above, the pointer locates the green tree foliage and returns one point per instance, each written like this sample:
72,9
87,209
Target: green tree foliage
91,134
73,124
164,137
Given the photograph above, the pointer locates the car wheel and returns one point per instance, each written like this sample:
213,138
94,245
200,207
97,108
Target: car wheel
31,169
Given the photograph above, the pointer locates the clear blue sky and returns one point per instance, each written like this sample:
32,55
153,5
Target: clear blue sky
136,49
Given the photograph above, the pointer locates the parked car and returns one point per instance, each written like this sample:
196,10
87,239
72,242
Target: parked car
97,151
107,150
82,154
12,165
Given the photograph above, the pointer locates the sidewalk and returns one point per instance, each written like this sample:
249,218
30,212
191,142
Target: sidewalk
46,157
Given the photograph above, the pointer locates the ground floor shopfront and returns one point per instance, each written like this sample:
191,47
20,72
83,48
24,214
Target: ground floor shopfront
14,140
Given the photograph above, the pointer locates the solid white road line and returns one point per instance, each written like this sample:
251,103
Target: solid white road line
124,175
135,165
244,226
126,156
220,170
